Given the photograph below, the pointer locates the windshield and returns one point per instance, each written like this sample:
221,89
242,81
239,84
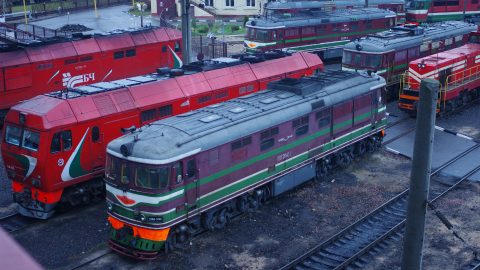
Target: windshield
30,140
152,178
361,60
24,138
419,5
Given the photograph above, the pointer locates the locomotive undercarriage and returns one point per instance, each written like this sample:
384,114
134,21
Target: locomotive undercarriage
218,217
79,194
464,98
83,194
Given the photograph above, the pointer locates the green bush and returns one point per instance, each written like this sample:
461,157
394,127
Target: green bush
235,28
202,29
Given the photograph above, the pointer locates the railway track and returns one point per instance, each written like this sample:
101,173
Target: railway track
350,247
473,265
14,222
89,261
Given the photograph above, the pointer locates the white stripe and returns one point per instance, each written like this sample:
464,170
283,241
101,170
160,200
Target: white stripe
439,128
464,136
137,198
393,151
154,161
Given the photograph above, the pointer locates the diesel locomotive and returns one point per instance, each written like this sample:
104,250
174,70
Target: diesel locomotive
457,70
315,31
175,177
30,71
388,53
53,145
277,8
421,11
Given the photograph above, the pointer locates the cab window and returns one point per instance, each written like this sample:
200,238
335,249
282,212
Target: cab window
178,172
61,141
151,178
13,135
191,168
125,174
30,140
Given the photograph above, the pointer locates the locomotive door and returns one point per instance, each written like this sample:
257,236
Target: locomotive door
191,184
97,149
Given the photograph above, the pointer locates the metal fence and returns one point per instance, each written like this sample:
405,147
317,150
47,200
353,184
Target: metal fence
209,47
27,33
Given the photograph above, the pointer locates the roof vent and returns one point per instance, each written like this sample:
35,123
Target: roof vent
210,118
176,72
237,110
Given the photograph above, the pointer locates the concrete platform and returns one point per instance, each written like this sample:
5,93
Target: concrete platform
446,146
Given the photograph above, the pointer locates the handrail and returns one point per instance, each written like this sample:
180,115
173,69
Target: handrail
466,75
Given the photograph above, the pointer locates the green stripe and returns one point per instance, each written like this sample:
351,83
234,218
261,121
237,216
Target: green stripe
254,179
324,44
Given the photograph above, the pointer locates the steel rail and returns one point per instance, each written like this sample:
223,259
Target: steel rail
372,216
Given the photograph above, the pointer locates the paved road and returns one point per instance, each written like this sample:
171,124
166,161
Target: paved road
109,19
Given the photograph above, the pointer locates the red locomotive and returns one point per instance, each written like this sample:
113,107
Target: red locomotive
25,73
54,144
458,71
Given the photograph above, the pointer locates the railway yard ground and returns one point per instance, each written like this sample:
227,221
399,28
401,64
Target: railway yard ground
284,228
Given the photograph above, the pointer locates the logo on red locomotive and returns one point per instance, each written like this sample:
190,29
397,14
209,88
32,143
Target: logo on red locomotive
70,82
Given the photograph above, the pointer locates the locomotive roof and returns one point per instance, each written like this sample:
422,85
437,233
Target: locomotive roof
320,17
174,138
320,4
441,58
401,37
108,98
98,43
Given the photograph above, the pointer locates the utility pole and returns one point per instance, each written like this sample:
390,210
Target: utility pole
186,31
420,176
25,11
95,5
366,3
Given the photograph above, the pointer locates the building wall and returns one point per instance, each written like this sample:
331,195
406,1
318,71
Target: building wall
228,8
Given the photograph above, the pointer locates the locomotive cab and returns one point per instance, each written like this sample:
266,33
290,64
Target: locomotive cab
356,60
23,147
162,187
417,10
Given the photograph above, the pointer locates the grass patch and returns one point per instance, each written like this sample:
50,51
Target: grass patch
218,28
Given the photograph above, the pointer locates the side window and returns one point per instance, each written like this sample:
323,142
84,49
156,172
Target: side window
148,115
266,138
55,146
95,134
118,55
191,168
130,53
67,140
177,46
164,48
178,172
323,118
165,111
300,125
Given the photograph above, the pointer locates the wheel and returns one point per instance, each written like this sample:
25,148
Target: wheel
321,170
242,204
360,148
171,243
220,219
370,145
344,159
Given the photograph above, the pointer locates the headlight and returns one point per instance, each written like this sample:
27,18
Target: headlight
109,206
